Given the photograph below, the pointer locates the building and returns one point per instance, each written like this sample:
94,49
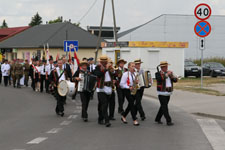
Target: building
30,43
6,33
107,32
181,28
151,53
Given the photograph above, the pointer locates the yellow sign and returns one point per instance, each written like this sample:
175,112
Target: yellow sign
159,44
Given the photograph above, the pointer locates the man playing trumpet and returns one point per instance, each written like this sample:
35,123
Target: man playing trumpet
165,80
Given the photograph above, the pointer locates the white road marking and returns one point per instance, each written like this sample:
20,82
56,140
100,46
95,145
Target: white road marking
38,140
214,133
65,123
54,130
72,117
77,111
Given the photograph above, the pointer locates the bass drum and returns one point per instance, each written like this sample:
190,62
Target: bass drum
66,88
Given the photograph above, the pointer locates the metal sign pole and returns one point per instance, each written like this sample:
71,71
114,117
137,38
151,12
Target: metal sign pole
202,68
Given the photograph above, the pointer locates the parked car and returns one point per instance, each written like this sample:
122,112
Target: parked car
191,69
213,69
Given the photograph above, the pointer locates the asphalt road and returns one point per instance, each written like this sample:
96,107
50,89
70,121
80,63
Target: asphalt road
28,122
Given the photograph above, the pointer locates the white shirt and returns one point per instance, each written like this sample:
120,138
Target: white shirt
168,85
50,67
5,69
38,69
43,69
92,67
106,89
59,73
123,81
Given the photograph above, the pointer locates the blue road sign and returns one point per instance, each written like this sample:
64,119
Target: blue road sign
70,46
202,28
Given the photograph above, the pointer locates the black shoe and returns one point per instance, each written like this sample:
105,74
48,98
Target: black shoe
100,122
143,118
61,114
108,124
159,122
136,124
170,123
124,121
85,119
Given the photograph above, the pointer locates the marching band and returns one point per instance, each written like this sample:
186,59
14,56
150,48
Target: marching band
62,77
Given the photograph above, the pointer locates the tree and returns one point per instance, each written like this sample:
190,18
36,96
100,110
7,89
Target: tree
36,20
59,19
4,24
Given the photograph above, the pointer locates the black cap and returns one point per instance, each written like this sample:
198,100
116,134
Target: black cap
90,59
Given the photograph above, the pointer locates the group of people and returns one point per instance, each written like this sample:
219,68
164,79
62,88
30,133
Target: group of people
111,80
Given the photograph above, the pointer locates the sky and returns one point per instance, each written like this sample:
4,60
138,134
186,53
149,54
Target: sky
129,13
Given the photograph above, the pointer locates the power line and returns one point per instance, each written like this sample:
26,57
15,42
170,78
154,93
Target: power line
88,11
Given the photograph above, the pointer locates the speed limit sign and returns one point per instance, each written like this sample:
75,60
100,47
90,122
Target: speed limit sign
203,11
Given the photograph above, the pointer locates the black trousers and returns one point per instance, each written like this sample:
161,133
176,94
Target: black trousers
130,108
163,110
138,104
85,99
6,80
112,105
60,103
32,83
103,103
121,98
43,79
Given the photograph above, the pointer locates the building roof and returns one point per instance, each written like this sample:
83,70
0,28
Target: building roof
6,33
53,34
180,28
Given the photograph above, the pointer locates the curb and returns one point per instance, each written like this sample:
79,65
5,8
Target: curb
209,116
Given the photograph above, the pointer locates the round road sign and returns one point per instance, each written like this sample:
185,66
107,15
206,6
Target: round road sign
203,11
202,28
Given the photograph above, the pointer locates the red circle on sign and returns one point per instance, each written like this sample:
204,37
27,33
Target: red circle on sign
203,4
207,33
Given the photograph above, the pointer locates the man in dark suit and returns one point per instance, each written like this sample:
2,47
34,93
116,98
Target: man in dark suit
67,68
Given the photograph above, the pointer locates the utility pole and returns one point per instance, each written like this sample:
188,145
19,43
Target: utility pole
114,21
100,31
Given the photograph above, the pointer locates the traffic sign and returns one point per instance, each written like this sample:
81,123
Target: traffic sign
202,28
70,46
202,43
203,11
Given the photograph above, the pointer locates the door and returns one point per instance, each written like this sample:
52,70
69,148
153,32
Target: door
117,56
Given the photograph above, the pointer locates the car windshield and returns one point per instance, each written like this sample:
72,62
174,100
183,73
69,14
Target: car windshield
189,63
216,65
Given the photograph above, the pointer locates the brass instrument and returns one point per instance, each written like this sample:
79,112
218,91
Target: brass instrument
135,85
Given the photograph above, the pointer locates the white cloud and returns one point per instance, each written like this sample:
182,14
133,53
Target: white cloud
129,13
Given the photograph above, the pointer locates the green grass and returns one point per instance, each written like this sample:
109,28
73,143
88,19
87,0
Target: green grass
213,59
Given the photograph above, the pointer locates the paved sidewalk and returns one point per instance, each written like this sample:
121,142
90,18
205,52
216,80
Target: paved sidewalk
212,106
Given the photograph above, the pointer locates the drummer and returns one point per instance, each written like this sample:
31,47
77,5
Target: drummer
60,75
84,95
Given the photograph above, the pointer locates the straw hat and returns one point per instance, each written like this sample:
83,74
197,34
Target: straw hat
83,63
103,58
138,61
164,63
121,60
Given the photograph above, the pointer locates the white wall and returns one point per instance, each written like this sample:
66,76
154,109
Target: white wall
151,57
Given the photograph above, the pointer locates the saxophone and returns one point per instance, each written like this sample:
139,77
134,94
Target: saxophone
135,85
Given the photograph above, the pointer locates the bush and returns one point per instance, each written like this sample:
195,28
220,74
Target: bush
214,59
